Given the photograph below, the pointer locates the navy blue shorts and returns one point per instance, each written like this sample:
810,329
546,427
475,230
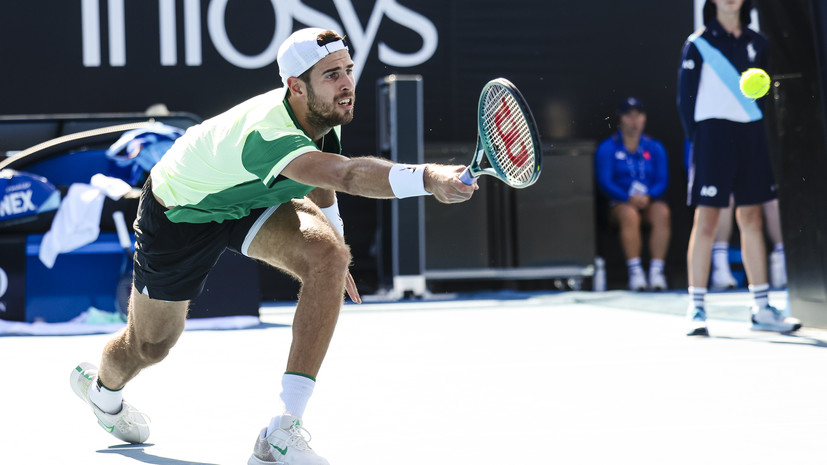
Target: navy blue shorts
172,260
730,158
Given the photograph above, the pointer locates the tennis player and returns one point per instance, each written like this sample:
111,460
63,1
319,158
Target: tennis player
261,180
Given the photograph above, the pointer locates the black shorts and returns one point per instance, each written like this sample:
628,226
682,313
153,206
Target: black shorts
730,158
172,260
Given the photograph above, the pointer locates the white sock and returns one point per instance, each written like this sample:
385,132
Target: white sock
779,248
720,255
656,266
634,266
760,294
698,296
296,390
106,400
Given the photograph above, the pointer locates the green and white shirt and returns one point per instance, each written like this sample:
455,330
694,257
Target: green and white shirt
231,163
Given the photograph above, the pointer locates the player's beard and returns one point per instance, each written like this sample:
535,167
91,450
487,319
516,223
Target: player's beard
323,114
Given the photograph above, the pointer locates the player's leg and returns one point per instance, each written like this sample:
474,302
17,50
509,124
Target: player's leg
698,262
721,274
628,219
298,239
755,186
700,245
172,261
778,262
152,328
659,217
711,177
753,251
754,254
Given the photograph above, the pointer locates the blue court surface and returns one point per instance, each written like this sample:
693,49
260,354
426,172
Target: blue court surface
539,378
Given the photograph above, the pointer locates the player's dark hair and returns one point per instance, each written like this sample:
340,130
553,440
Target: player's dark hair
711,11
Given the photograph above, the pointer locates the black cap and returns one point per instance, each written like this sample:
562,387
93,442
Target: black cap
629,104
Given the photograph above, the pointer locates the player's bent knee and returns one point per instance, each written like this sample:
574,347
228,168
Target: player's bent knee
336,255
324,257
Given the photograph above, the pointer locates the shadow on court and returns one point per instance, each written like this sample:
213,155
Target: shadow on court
788,339
138,452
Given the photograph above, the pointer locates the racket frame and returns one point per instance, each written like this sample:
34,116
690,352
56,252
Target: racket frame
484,152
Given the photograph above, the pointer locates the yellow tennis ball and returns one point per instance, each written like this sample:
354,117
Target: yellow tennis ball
755,83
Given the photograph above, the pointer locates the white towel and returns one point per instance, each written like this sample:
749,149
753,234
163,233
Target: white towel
77,221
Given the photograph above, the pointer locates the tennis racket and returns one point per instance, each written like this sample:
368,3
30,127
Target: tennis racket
125,280
508,142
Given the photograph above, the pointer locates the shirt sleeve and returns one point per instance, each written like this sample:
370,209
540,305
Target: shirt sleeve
603,164
267,158
689,75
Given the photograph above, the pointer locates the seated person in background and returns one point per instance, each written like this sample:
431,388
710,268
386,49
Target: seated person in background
631,168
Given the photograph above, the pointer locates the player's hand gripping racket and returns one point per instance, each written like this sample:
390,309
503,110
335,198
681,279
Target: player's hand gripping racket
125,280
508,143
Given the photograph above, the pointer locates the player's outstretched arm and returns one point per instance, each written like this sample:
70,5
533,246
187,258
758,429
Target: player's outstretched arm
373,177
443,182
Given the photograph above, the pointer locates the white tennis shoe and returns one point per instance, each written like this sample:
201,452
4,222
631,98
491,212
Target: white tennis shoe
285,446
770,318
657,281
127,425
721,278
637,280
696,321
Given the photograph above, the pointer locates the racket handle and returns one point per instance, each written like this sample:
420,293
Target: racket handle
466,177
120,226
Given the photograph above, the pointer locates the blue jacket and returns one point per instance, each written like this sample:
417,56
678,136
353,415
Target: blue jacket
616,168
709,74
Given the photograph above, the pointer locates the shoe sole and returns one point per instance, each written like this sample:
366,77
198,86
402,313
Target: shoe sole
775,329
698,332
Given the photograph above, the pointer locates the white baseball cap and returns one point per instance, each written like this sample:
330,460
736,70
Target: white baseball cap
301,51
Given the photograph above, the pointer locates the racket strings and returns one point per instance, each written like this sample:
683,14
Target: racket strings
508,134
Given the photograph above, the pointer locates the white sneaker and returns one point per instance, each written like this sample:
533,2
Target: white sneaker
127,425
721,278
637,281
696,318
657,281
285,446
770,318
778,270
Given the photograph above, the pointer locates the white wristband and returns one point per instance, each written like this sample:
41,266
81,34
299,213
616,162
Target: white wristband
407,180
332,214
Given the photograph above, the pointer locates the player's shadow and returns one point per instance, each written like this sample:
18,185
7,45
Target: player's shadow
138,452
